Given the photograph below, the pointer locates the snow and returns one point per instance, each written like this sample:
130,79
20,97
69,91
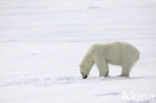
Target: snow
42,43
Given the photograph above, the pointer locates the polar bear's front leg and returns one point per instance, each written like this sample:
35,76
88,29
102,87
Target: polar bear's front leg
102,67
107,72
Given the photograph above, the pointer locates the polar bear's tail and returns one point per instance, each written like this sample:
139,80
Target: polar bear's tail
137,55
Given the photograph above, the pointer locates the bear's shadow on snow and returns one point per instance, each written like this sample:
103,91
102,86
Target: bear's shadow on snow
130,78
114,78
108,94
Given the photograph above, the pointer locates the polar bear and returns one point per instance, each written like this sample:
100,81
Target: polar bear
117,53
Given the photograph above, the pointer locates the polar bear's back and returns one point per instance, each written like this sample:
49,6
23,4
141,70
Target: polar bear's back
116,53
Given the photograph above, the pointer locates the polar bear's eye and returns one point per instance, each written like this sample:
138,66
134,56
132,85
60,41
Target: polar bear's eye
83,74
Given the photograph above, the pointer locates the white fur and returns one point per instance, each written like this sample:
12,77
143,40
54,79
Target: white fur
117,53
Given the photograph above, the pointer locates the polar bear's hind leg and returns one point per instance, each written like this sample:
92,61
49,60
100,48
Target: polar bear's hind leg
126,68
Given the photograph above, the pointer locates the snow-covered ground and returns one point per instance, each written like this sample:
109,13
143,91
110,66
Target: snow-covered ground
42,43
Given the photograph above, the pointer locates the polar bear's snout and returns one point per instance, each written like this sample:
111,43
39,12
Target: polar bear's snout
84,76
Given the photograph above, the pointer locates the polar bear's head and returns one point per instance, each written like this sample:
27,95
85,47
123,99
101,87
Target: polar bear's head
86,65
84,71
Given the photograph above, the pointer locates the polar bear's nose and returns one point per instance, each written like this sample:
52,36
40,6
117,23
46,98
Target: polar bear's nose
84,77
